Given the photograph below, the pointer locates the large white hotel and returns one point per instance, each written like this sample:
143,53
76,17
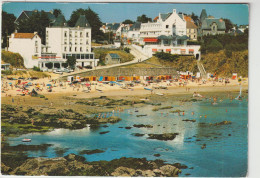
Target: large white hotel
61,41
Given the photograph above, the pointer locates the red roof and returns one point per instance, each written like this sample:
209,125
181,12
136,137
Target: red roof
191,49
156,18
168,50
154,49
150,40
24,35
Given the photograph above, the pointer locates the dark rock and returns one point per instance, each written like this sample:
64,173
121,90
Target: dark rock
141,115
90,152
180,166
203,146
157,155
104,126
142,125
137,134
188,120
191,168
128,127
104,132
165,137
229,134
120,127
73,157
187,174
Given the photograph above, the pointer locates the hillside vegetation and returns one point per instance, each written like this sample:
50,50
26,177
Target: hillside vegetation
101,54
15,59
225,64
181,63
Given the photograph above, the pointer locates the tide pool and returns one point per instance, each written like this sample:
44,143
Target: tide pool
226,148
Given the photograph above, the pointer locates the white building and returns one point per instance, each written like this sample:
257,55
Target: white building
64,41
167,34
133,35
28,45
61,41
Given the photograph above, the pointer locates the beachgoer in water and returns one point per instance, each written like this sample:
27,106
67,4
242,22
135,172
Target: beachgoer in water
205,116
192,113
200,116
183,113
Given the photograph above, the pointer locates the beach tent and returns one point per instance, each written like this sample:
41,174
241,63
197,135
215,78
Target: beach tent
34,93
100,78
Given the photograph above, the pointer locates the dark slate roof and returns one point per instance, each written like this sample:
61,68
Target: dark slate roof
136,26
165,16
203,14
82,22
115,26
206,24
60,21
163,37
114,55
50,15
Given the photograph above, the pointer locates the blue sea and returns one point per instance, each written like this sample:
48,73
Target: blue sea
225,154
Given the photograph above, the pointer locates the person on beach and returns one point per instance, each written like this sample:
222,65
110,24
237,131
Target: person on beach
12,100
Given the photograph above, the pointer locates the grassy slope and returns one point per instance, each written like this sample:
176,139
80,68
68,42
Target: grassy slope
27,74
101,54
183,63
225,66
15,59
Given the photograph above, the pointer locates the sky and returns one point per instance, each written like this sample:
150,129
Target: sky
118,12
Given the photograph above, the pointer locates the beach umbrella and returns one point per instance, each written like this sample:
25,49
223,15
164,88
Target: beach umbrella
29,83
10,83
48,85
87,84
24,82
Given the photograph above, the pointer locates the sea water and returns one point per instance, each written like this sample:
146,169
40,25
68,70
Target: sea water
226,148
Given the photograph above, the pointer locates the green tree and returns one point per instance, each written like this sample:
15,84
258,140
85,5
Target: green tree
195,18
229,24
36,23
215,46
93,20
49,65
143,19
71,61
56,12
128,21
7,26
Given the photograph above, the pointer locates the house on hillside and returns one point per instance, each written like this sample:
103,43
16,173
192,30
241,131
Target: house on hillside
133,35
210,25
168,33
112,58
28,45
27,14
61,42
191,28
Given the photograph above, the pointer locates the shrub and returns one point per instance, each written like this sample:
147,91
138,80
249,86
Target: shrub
166,56
36,68
214,46
193,43
127,50
7,72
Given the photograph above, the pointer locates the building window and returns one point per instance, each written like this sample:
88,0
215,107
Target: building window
82,56
65,48
36,49
80,49
80,34
86,49
78,56
91,56
86,56
87,34
36,43
63,56
70,49
65,34
87,42
76,34
70,34
167,26
75,49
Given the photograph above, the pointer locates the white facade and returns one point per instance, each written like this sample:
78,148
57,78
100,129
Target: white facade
28,45
134,36
71,41
171,25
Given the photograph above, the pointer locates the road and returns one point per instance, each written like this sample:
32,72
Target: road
138,56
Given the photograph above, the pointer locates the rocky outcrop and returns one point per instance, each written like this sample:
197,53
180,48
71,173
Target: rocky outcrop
165,136
74,165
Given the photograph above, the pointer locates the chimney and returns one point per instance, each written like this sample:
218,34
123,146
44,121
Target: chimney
174,11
